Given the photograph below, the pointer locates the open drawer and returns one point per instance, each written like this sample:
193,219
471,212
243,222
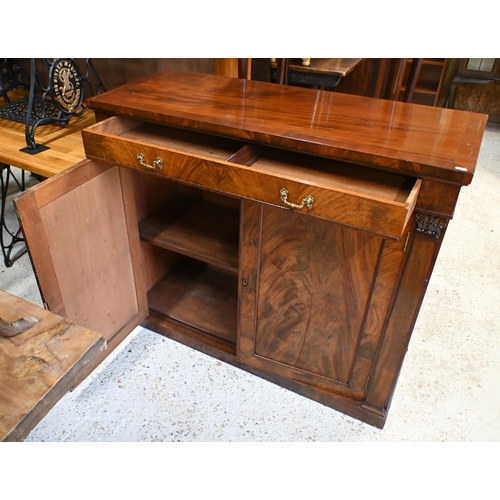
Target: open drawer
376,201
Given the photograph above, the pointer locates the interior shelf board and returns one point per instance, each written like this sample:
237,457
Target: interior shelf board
205,231
420,90
199,296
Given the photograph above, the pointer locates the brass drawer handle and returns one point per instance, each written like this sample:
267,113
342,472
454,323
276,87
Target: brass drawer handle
156,164
307,201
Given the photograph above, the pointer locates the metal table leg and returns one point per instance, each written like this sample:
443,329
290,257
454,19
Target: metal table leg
9,237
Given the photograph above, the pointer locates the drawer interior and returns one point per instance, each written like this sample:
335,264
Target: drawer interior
338,176
170,138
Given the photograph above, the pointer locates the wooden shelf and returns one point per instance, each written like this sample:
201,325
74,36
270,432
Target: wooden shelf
429,81
205,231
435,62
199,296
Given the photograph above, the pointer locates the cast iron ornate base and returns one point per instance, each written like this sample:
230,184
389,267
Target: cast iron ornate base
56,102
8,237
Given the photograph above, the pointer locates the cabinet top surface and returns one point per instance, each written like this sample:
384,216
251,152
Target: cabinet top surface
419,140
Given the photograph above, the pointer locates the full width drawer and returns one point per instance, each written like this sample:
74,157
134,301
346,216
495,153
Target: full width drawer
376,201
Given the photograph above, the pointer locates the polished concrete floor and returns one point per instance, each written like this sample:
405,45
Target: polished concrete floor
154,389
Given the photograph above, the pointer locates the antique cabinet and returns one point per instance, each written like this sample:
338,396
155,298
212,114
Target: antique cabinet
288,231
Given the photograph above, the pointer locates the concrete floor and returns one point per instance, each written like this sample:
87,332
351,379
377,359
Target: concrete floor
154,389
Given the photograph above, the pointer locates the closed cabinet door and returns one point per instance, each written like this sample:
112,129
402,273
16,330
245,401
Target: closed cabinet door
314,298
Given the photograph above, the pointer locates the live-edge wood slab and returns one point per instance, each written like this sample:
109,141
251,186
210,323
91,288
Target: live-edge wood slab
38,366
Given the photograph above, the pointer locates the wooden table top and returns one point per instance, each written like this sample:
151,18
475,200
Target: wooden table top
65,143
336,66
38,366
418,140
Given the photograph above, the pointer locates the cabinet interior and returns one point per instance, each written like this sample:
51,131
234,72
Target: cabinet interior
190,249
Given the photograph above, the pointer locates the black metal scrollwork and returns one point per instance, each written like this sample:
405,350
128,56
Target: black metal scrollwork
8,237
12,76
57,101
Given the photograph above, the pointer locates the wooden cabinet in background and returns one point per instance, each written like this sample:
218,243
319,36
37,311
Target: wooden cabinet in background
388,79
427,84
288,231
430,81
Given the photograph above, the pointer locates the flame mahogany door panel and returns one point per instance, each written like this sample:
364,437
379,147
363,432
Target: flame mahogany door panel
314,298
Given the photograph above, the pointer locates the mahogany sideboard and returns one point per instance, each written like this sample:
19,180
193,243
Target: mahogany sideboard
290,232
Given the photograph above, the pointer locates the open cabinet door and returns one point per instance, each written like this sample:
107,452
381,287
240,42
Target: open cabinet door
81,232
